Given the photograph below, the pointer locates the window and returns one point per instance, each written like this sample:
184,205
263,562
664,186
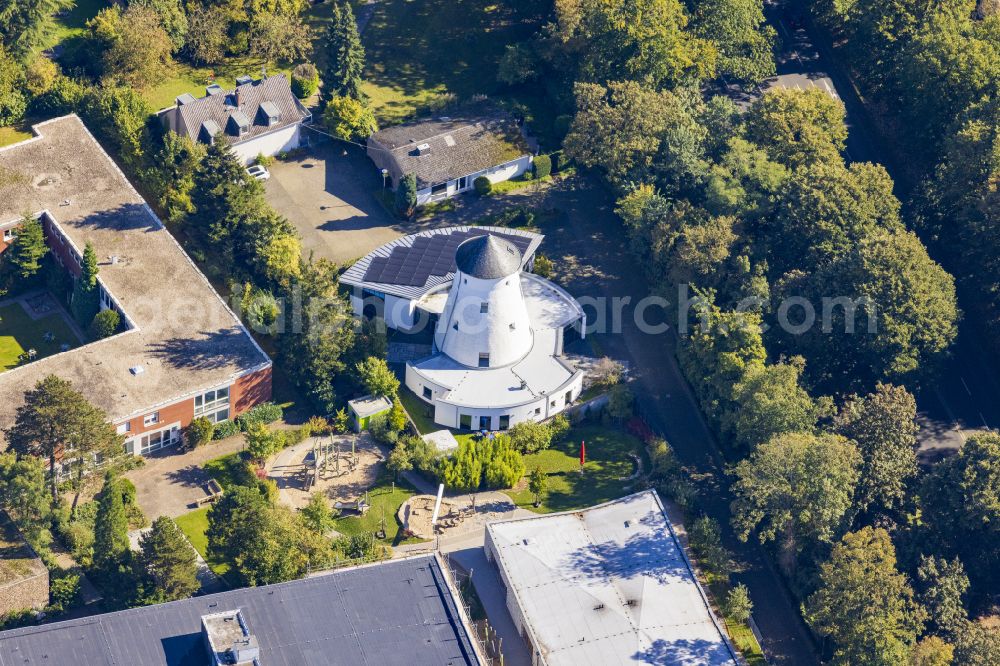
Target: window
154,440
213,405
463,182
151,419
428,394
484,308
484,360
484,422
439,188
465,421
538,410
504,422
125,427
8,235
569,397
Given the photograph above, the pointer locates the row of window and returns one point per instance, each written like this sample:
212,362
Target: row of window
213,405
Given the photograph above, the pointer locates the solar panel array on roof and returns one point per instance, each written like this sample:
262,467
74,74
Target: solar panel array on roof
429,255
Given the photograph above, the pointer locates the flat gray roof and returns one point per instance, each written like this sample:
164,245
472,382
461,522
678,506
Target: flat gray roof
185,337
398,612
609,585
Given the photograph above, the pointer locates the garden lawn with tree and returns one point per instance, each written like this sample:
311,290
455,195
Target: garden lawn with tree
384,497
604,476
195,525
19,333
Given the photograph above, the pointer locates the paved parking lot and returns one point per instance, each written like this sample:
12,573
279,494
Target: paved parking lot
330,198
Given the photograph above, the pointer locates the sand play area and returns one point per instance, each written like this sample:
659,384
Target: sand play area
345,473
458,514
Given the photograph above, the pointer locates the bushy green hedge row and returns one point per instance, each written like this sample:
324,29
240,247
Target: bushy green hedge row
262,414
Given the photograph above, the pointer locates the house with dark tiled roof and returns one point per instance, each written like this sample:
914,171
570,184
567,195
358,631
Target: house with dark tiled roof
447,154
261,117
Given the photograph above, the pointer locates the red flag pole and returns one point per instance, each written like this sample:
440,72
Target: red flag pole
583,452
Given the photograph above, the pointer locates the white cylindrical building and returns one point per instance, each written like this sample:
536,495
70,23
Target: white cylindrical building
485,322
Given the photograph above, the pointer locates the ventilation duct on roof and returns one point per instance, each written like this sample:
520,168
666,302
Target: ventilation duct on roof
424,149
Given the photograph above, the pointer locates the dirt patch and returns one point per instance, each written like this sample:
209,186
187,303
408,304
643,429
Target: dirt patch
345,473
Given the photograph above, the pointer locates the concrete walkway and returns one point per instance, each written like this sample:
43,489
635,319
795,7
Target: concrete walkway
485,579
171,482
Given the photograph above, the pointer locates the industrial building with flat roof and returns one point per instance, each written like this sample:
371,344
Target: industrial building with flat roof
606,585
184,353
402,612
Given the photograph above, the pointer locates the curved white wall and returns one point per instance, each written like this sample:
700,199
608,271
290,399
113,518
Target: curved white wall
503,331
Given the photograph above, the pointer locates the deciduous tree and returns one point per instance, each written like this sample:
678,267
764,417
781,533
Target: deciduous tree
864,605
796,487
883,425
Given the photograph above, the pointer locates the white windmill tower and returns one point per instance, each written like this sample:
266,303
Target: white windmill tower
485,321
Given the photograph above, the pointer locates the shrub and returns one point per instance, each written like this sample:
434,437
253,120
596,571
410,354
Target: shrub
559,161
305,80
263,160
541,166
262,414
737,605
105,324
224,429
483,186
200,431
64,590
559,425
406,195
607,372
530,437
543,266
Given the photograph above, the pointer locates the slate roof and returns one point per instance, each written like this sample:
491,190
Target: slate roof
183,335
398,612
221,108
488,257
457,147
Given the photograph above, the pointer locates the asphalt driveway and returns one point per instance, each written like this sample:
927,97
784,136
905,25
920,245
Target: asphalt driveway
329,195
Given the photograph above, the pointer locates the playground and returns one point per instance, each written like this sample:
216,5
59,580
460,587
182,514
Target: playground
456,515
342,467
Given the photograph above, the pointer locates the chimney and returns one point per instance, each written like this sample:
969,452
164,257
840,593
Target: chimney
236,97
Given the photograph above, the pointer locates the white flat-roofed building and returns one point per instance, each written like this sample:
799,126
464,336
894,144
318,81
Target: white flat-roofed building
606,585
498,330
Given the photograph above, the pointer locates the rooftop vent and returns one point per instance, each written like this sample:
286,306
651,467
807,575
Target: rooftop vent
137,370
424,149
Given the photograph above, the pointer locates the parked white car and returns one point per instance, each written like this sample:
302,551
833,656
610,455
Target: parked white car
259,171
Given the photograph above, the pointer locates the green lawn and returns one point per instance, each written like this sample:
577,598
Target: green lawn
608,463
419,52
73,22
384,498
195,525
420,412
9,135
19,332
228,470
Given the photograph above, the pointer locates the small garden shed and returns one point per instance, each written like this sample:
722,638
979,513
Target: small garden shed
362,409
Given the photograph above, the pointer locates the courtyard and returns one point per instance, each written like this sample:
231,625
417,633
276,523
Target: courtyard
34,322
329,194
